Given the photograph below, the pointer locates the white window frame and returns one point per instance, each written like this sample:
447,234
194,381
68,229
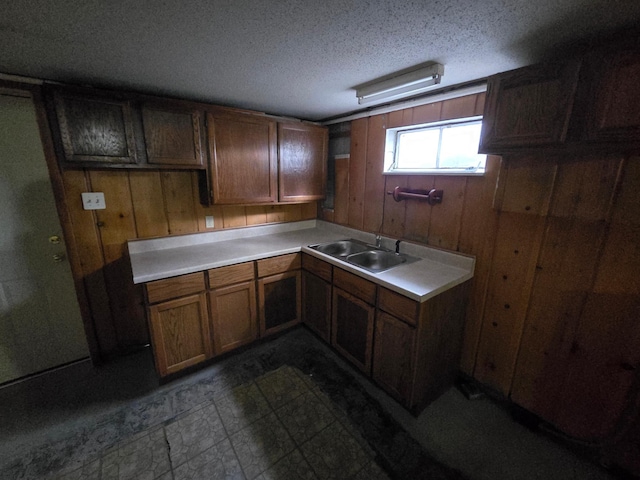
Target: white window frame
392,140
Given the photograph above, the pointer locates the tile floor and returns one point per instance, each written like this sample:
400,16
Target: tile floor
288,408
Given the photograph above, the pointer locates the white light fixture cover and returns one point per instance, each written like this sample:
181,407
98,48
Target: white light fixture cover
411,83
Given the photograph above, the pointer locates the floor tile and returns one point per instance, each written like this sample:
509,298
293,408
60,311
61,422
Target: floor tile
371,471
193,433
291,467
261,445
304,416
281,386
217,463
144,458
90,471
241,406
334,453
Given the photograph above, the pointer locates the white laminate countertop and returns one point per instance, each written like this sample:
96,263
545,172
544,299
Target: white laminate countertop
158,258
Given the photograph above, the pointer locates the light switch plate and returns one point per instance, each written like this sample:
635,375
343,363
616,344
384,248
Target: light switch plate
208,221
93,201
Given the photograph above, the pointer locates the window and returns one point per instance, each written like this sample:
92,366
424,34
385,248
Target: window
444,148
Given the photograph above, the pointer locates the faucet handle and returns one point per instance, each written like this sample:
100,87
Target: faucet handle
378,240
398,246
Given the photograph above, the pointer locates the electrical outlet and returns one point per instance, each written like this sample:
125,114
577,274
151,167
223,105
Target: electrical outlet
93,201
208,221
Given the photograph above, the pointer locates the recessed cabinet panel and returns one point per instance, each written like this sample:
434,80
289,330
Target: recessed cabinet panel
352,328
316,301
243,159
613,96
393,358
95,130
529,107
172,137
233,316
302,154
280,302
180,332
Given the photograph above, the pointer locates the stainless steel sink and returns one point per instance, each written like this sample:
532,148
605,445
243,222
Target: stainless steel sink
365,256
376,260
342,248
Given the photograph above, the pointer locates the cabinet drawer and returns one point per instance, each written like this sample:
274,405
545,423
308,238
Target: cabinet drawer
356,286
175,287
320,268
241,272
279,264
398,305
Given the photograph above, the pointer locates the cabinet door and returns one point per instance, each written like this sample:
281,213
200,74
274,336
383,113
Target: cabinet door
243,158
233,316
95,130
352,328
180,331
302,156
528,107
280,302
316,295
393,358
172,136
612,98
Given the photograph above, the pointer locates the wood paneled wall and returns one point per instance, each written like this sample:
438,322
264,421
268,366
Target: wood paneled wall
552,319
142,204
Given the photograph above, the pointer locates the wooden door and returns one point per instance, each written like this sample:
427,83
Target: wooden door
302,160
180,331
528,107
280,302
172,136
316,314
393,356
233,316
243,158
95,130
352,328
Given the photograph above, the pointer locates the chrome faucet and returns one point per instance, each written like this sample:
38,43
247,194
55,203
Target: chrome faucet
398,246
378,240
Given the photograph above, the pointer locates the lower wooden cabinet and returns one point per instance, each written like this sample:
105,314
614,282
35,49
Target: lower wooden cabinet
393,356
352,328
233,316
316,304
180,333
280,302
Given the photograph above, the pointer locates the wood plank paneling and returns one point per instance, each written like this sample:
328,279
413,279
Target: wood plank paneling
89,249
374,188
233,216
148,204
446,217
117,225
178,192
341,199
357,163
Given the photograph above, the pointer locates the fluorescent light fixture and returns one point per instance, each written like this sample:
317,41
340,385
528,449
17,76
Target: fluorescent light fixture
410,83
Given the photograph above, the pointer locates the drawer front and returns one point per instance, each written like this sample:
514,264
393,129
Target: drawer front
279,264
175,287
241,272
318,267
356,286
398,305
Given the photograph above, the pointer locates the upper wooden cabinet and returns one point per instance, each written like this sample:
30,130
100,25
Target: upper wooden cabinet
95,129
608,102
98,129
583,104
302,156
173,136
528,107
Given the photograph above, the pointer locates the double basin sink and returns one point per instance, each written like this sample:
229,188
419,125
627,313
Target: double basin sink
371,258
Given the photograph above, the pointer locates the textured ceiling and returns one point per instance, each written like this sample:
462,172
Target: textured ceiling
290,57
